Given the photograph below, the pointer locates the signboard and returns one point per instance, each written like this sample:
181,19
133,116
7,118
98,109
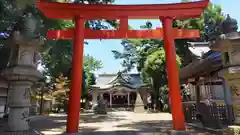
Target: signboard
234,69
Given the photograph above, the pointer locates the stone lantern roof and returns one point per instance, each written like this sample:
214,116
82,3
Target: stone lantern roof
230,35
229,25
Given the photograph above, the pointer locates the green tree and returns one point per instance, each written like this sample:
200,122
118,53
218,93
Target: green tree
56,54
90,66
148,55
61,89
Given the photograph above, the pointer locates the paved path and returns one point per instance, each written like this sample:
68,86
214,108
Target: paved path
115,123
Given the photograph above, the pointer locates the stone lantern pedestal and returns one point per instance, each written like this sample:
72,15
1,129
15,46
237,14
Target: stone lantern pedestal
20,79
229,46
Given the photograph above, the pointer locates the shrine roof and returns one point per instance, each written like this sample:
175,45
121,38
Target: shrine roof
106,81
210,62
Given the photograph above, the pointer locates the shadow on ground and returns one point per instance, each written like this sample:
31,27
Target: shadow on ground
58,123
138,128
153,127
124,133
92,118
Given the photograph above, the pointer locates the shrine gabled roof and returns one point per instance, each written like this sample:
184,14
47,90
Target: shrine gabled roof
106,81
119,79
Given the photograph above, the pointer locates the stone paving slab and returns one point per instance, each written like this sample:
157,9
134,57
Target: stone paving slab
115,123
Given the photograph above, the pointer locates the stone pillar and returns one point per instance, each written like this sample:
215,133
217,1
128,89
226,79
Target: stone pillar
235,89
35,106
21,74
228,100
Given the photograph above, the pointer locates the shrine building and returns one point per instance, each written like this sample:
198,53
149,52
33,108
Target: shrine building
120,90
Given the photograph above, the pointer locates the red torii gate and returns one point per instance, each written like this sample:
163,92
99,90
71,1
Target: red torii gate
82,12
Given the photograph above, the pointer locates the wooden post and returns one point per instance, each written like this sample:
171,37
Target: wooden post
76,80
41,102
110,96
128,99
198,97
173,76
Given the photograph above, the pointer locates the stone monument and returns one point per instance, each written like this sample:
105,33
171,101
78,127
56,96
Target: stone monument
100,107
22,73
139,104
228,44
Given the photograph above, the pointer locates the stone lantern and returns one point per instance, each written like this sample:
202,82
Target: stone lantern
228,44
21,73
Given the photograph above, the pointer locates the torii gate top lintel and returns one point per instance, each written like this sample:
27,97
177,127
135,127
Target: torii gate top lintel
56,10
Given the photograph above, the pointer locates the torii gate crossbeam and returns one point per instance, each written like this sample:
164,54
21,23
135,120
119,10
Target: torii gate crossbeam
82,12
119,34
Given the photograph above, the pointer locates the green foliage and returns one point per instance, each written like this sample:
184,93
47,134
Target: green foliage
56,54
209,25
155,64
12,11
90,66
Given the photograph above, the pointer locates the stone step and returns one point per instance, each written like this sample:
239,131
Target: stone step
232,130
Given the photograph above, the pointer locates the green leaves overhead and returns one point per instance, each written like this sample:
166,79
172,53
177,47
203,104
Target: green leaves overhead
91,64
56,54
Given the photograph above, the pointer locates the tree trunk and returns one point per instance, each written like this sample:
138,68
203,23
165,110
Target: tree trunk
41,103
156,100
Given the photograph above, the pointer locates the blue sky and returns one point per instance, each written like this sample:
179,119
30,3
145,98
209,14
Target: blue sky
101,50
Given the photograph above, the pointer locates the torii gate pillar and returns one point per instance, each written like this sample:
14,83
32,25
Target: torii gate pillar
173,75
76,81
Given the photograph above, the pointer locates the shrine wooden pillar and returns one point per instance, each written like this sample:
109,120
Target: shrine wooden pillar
173,75
110,100
76,81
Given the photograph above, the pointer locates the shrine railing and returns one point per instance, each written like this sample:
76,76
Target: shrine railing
209,115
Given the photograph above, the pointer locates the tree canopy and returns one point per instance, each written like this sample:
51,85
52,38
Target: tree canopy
148,56
56,55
